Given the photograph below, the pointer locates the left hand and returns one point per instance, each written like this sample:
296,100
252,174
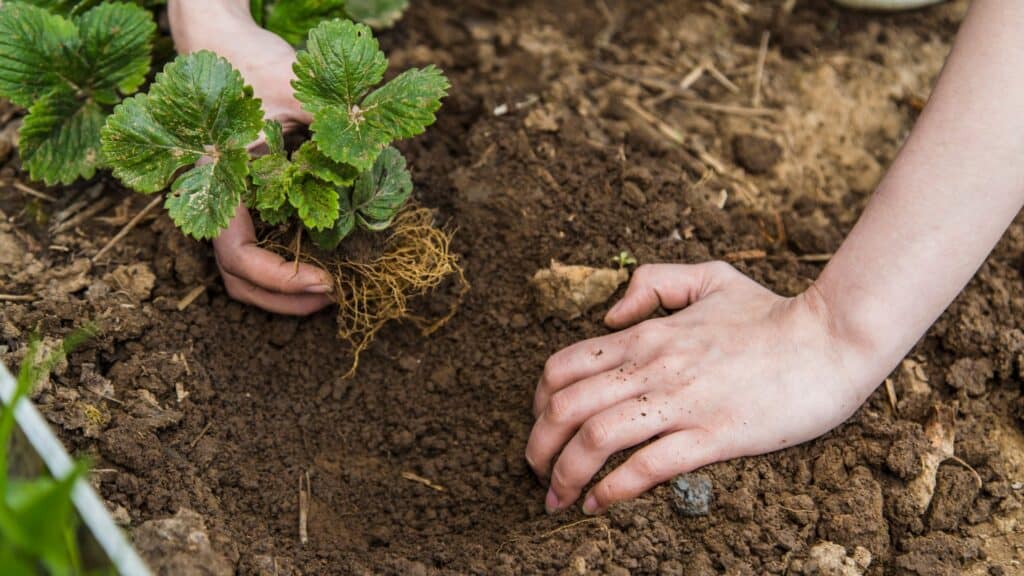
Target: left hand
737,371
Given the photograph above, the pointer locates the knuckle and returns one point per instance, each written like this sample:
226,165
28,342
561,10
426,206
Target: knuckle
646,466
559,479
643,273
560,407
552,369
720,268
605,491
594,434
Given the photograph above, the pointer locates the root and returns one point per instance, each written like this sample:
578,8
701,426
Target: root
414,259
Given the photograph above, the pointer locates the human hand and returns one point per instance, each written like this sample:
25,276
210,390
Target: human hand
251,274
738,371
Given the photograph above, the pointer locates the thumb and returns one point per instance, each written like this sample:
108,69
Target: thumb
669,286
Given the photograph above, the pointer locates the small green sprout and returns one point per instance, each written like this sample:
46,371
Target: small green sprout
624,259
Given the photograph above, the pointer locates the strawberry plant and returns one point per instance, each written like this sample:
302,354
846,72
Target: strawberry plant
346,176
69,63
37,520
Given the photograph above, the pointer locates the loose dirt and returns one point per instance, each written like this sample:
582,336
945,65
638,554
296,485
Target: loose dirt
568,138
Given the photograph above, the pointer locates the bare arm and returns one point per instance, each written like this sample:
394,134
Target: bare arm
740,370
949,196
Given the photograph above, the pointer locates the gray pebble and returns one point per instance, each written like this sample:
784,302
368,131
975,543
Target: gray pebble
692,494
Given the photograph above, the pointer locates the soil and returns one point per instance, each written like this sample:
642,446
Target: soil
564,138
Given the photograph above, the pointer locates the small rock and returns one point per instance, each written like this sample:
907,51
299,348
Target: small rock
542,118
567,292
970,375
180,546
409,363
519,321
639,174
755,154
693,494
136,280
633,195
830,559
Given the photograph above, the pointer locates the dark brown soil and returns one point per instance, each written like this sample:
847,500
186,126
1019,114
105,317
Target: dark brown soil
220,408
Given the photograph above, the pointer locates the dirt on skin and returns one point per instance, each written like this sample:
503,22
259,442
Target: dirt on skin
416,465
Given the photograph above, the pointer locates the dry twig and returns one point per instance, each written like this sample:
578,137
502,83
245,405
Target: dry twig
304,508
127,228
762,57
17,297
187,299
32,191
421,480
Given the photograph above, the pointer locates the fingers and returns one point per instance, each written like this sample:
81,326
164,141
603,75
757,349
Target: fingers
670,286
238,255
290,304
622,426
576,362
676,453
571,407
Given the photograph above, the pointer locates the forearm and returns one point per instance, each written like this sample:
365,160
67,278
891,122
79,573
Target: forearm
952,191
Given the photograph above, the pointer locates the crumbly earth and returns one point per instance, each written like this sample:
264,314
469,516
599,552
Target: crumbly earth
220,409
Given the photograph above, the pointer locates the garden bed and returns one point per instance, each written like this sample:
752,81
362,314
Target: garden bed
188,400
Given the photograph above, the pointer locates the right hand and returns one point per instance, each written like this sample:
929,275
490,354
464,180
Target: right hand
251,274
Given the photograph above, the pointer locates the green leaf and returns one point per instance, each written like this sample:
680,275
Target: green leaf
380,193
272,177
116,43
309,159
376,13
405,106
292,19
330,238
60,138
274,134
203,200
36,50
277,215
143,153
340,65
42,510
65,72
13,562
316,201
198,106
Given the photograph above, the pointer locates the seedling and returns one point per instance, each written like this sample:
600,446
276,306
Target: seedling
69,67
624,259
346,176
37,520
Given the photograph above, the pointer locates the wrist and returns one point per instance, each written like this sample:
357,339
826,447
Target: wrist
858,344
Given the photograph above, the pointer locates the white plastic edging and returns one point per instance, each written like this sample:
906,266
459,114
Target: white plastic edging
88,504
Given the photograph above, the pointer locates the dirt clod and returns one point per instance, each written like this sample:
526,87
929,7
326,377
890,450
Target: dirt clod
180,546
567,291
756,154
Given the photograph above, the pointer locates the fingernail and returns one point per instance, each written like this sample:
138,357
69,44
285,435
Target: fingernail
319,289
590,505
551,502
